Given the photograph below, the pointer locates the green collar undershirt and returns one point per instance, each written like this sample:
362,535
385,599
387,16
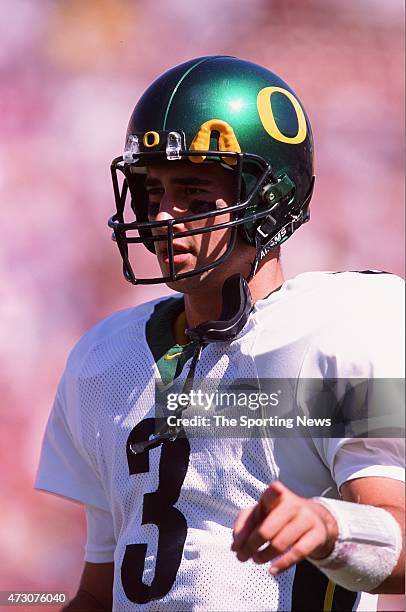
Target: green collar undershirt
170,357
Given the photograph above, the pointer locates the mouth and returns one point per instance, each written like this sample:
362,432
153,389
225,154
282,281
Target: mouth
180,254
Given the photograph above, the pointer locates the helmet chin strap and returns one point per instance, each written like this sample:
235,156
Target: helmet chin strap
236,308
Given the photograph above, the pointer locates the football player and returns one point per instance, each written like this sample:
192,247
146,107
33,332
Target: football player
217,173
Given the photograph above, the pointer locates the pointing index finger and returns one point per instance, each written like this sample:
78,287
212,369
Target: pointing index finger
271,497
249,519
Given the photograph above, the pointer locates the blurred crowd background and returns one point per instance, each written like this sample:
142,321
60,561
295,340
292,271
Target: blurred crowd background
71,72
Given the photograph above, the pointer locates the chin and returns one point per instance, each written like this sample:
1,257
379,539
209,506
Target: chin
211,280
186,285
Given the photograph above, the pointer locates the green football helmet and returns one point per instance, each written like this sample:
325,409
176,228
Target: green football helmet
224,110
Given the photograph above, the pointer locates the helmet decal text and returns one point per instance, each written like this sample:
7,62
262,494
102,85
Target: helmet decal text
227,140
151,139
268,120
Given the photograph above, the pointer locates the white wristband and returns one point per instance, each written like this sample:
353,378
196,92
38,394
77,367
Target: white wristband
367,548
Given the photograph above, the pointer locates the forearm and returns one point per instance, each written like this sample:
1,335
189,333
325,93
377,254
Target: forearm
395,583
357,543
367,555
95,592
85,602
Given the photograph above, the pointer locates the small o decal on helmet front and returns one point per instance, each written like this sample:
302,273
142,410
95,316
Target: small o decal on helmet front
151,139
268,120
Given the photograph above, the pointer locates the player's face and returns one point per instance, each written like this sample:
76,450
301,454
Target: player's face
182,188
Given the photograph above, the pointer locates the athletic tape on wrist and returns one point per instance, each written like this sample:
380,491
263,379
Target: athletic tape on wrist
367,548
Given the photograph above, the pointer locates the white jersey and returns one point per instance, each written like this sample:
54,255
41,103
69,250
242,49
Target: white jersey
172,508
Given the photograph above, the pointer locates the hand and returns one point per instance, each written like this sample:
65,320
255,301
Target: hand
283,523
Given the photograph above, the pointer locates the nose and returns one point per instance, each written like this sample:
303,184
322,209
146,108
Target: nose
163,215
169,208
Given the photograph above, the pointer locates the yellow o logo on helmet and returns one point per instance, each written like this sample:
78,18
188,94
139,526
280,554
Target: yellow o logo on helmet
227,140
268,120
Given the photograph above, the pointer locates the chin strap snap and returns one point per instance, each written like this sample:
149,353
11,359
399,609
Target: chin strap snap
269,235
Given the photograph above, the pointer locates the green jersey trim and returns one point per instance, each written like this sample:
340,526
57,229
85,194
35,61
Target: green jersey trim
169,356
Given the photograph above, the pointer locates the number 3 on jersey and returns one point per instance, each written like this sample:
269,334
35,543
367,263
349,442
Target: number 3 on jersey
158,509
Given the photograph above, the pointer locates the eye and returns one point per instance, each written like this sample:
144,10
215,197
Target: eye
155,192
193,191
201,206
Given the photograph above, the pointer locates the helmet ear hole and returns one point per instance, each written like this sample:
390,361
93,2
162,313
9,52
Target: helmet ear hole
251,174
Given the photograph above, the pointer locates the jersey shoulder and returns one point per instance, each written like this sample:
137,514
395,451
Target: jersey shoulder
362,330
113,334
350,296
354,280
369,299
346,323
375,281
321,298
